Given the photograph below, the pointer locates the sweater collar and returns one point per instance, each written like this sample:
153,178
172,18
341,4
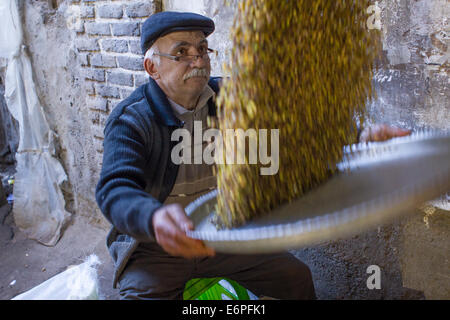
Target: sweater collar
202,102
158,101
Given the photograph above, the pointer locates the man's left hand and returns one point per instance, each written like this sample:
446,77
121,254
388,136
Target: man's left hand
382,132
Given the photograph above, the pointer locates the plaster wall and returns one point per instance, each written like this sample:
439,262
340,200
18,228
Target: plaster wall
86,58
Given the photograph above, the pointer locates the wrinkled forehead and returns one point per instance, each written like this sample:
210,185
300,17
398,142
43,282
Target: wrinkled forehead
170,40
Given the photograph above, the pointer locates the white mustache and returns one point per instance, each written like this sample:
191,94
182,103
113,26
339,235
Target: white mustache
196,73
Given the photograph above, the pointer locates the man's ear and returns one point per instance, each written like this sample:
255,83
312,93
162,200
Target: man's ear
151,69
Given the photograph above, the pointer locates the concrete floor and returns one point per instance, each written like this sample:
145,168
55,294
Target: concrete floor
30,263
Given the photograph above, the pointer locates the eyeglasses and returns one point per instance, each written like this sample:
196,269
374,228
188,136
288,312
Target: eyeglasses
189,58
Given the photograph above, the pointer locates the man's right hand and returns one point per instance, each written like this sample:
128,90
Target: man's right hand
170,224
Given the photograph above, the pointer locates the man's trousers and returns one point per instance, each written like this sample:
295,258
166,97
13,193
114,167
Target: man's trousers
151,273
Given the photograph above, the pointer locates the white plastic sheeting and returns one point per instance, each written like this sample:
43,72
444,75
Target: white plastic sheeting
76,283
39,205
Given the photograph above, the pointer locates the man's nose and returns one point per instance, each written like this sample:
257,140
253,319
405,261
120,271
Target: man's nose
200,61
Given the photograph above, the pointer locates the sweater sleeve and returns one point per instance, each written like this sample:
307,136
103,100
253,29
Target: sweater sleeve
120,192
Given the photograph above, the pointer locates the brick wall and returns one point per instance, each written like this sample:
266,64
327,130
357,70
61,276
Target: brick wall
108,47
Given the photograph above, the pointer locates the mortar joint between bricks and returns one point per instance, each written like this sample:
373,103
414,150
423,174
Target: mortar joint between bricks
99,111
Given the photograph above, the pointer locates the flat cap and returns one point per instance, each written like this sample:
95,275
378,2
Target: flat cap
162,23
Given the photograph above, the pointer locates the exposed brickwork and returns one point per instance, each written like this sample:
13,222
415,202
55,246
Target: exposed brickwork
113,45
110,11
135,46
83,59
140,9
131,63
87,44
87,12
109,52
97,103
94,74
126,29
101,60
107,91
95,28
120,78
90,89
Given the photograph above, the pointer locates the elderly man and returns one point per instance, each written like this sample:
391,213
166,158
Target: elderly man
143,193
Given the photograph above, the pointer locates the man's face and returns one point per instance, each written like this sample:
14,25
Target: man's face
183,75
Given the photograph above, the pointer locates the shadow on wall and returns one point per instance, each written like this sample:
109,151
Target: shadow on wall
9,129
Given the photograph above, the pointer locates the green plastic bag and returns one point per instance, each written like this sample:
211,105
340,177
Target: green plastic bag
216,289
